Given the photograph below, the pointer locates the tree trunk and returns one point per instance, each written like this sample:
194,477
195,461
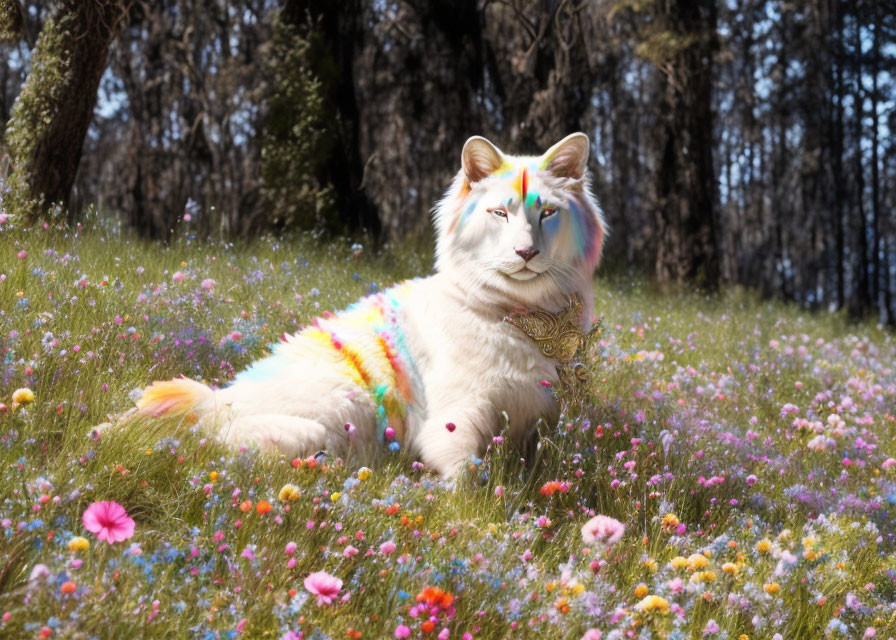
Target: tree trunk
875,159
50,118
336,33
686,190
860,301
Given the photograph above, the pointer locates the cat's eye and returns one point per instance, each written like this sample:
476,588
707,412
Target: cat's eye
547,212
501,211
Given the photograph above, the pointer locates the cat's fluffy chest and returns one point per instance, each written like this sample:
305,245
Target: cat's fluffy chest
472,354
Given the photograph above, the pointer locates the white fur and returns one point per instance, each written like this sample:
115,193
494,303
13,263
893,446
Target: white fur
471,364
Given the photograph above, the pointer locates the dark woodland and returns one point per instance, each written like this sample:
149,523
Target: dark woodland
732,142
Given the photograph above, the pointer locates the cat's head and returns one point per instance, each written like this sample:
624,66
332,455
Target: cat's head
521,228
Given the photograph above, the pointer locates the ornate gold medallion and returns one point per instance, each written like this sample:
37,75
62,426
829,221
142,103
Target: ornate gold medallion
558,336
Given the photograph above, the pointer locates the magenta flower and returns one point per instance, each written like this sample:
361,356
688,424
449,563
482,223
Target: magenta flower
324,586
108,521
602,530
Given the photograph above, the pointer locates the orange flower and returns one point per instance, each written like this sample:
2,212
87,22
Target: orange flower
428,626
68,587
246,506
553,486
263,507
434,596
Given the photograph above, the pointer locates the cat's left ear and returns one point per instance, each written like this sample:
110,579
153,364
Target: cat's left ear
568,158
480,158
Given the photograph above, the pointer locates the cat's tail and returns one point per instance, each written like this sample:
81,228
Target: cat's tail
180,396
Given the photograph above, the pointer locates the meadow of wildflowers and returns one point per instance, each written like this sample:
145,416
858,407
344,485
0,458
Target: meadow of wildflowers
731,474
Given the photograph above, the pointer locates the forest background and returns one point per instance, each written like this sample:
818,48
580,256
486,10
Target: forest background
732,142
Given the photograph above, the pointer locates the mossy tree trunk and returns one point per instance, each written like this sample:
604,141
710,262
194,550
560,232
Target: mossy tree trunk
52,113
11,19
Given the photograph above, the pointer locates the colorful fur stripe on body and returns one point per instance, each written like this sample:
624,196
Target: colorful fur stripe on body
367,336
366,339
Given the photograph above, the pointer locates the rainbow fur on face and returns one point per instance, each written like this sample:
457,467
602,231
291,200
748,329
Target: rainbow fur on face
499,205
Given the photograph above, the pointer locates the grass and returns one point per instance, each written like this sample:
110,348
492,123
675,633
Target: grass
766,432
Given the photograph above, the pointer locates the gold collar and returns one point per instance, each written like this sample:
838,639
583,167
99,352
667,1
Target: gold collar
558,336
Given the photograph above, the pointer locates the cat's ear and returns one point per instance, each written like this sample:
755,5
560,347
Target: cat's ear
568,158
480,158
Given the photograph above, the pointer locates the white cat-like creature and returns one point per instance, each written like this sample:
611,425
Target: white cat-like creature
430,363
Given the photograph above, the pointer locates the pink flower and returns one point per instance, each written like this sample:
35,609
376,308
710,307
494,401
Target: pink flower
178,276
602,530
208,284
324,586
889,463
592,634
401,631
108,521
39,573
349,551
290,548
387,547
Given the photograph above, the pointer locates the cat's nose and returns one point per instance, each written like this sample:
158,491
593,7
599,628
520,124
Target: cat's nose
527,254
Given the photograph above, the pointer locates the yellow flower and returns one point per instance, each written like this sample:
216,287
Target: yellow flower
213,476
23,396
771,588
743,636
810,541
764,545
641,590
550,586
704,576
364,473
730,567
670,522
577,589
650,563
335,496
678,562
78,544
697,561
653,604
288,493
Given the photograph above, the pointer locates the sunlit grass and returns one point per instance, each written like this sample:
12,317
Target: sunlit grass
701,407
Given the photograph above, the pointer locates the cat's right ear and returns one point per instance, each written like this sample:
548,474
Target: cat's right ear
480,158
